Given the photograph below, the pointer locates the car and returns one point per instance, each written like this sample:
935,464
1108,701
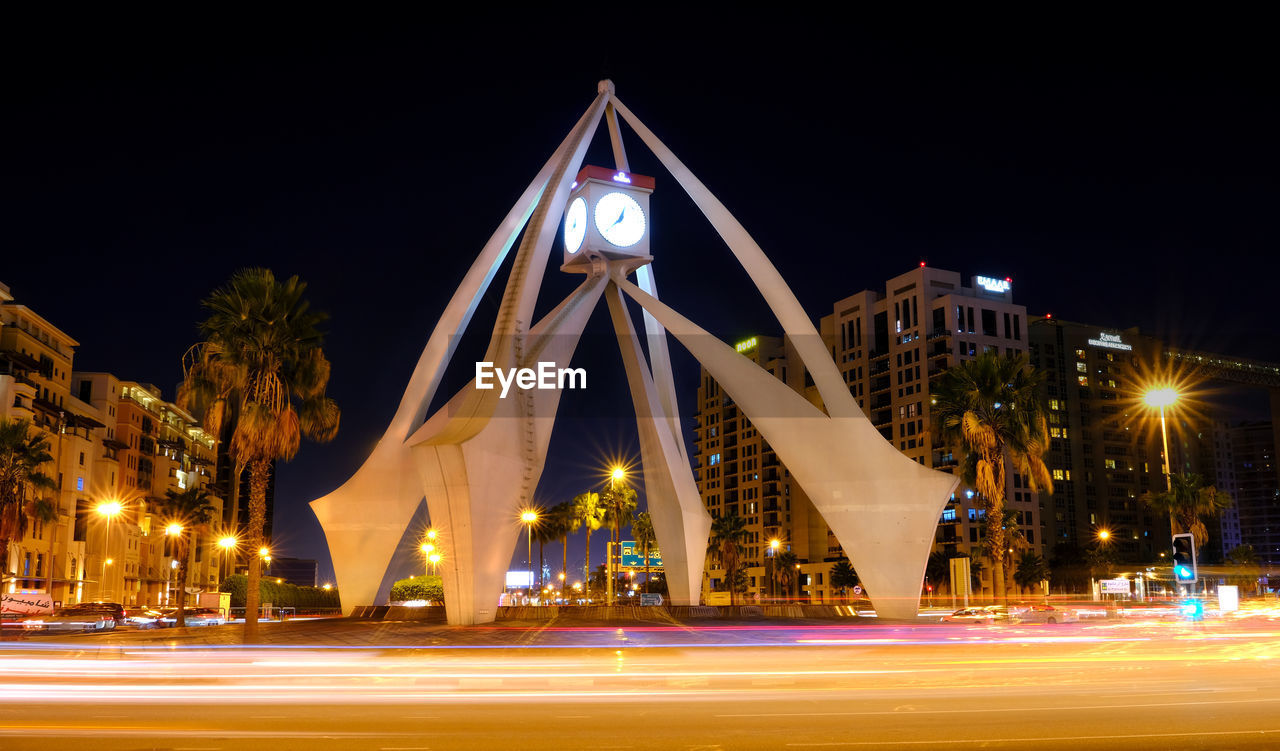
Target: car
83,617
1046,614
144,618
989,614
113,609
1150,609
195,617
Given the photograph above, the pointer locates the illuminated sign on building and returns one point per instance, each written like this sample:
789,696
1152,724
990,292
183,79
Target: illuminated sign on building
746,345
1110,341
994,285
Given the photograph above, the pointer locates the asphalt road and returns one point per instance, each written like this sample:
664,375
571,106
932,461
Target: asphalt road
1105,686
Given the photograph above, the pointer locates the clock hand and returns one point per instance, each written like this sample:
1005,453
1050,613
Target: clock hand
618,221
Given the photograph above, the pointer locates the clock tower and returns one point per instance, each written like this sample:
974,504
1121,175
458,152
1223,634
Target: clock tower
608,214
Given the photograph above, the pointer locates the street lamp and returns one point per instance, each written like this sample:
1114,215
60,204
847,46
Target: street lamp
1104,535
228,543
529,518
427,549
109,509
433,558
1164,396
774,544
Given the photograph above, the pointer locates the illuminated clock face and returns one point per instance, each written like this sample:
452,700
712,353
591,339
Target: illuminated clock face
620,219
575,224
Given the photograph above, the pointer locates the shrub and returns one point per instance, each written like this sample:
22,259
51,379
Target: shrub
430,588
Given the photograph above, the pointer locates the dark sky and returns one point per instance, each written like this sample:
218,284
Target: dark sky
1120,177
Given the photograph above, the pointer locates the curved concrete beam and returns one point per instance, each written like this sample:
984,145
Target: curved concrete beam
364,519
881,505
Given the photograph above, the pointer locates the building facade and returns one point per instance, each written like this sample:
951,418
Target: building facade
889,345
1105,447
1257,491
112,442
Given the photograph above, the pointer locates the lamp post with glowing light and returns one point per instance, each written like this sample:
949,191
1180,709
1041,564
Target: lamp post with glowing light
529,518
1160,398
428,549
228,543
774,544
615,474
109,509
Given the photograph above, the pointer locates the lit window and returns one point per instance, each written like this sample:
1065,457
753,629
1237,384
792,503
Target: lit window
1053,404
1110,463
1080,354
1082,380
79,483
1057,475
1081,367
1055,432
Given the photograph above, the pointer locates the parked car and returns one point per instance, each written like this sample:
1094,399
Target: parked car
989,614
83,617
1046,614
114,609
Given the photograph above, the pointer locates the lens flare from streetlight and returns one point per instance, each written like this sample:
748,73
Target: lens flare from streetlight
264,552
109,508
173,530
228,542
618,473
1164,396
1104,534
529,517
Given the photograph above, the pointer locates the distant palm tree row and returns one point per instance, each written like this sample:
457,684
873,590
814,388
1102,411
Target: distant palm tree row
613,508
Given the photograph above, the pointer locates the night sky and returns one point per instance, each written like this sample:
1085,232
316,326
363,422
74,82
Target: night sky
1125,177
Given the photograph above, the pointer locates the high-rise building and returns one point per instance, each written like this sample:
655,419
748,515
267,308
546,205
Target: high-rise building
1105,444
889,345
1219,465
1257,490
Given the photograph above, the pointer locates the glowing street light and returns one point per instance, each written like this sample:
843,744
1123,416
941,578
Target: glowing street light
529,517
434,558
109,509
228,543
1161,397
1104,535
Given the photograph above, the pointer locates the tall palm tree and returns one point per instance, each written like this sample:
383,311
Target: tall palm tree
727,533
588,513
784,570
642,529
937,570
262,359
558,525
21,457
1186,502
989,409
191,511
619,501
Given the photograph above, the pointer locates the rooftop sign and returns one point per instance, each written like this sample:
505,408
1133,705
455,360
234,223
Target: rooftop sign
1110,341
746,345
994,285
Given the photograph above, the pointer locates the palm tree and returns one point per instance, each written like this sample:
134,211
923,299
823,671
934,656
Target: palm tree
642,529
588,513
1186,502
976,569
843,577
989,409
188,513
262,360
784,569
727,533
21,457
1031,570
619,503
558,525
1015,543
544,531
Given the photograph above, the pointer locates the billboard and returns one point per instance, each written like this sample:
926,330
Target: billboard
520,579
633,557
26,603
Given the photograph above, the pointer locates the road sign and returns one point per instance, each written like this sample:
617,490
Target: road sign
633,557
1115,586
857,589
650,599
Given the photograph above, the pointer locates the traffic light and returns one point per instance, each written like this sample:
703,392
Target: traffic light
1184,557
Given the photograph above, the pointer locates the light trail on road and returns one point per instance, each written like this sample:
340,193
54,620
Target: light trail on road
1064,686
